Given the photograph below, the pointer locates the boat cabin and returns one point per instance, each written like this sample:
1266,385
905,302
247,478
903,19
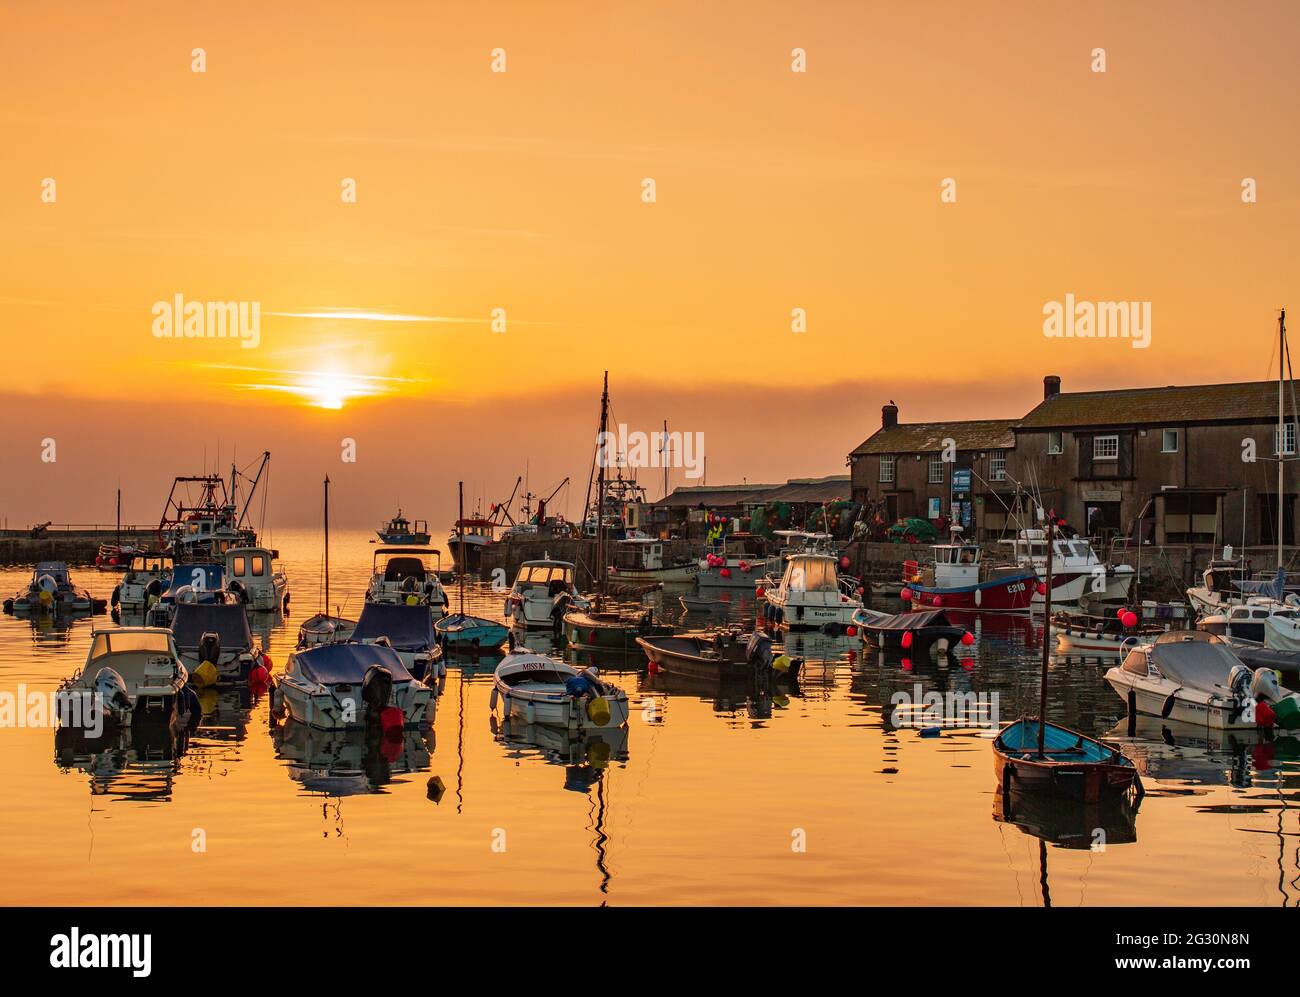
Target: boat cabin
152,564
130,641
551,576
639,553
1030,547
245,563
956,565
805,573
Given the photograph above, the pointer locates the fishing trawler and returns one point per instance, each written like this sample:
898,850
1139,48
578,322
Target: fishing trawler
959,579
402,531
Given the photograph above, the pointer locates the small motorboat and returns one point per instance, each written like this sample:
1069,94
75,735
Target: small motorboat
735,561
255,579
927,628
325,629
132,675
147,577
216,633
464,632
1072,766
51,591
1078,633
341,686
542,592
402,531
1195,677
408,630
698,604
707,655
407,575
609,630
641,559
538,689
811,594
115,557
1248,620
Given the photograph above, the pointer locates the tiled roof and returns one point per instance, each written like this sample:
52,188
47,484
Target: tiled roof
928,437
690,496
828,489
1173,404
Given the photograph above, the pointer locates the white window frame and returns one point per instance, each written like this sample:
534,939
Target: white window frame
1290,440
887,469
1164,441
1106,457
1058,446
997,465
936,465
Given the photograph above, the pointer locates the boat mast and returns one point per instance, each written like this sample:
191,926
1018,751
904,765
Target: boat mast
460,487
119,521
327,544
1047,632
601,441
1281,429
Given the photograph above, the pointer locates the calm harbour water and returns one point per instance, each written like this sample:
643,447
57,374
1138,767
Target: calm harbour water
704,801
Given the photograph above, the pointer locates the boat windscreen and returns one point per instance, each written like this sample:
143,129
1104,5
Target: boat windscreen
406,627
398,569
129,641
1197,663
332,664
227,620
813,574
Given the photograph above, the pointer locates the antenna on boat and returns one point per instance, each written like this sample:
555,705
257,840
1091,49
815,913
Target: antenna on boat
327,544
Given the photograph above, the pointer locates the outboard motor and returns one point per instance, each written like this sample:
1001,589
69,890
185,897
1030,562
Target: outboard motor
210,647
758,653
1264,686
110,690
1239,681
376,690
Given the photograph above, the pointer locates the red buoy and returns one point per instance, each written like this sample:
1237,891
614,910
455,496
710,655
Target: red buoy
907,638
905,595
852,631
968,638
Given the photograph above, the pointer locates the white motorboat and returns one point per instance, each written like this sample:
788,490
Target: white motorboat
256,580
408,630
641,559
50,591
1223,584
811,594
131,675
325,629
1076,569
1248,620
407,575
1194,677
147,577
543,591
538,689
340,686
216,633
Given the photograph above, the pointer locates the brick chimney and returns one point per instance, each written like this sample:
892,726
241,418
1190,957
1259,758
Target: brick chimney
888,416
1051,386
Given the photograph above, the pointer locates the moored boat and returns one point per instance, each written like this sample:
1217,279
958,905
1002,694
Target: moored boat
51,590
400,531
407,575
641,559
811,594
408,630
610,630
1071,765
959,580
146,578
918,630
462,631
216,633
707,655
255,578
542,592
132,675
339,686
538,689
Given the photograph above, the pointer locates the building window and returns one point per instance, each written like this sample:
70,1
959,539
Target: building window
936,469
1055,444
887,469
1290,439
1170,442
1105,448
998,465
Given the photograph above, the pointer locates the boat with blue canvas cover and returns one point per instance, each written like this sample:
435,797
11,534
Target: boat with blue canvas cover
204,583
341,686
215,632
408,630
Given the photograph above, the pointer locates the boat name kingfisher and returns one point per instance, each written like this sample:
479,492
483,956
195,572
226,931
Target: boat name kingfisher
181,319
1072,319
624,448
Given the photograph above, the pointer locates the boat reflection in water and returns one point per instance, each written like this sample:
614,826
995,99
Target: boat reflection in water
1198,755
337,763
1069,824
130,763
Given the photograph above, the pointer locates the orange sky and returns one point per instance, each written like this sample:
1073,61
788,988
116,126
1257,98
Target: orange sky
522,190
